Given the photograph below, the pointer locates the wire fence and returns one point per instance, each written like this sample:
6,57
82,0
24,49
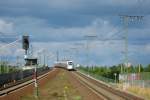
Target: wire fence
138,79
132,79
101,78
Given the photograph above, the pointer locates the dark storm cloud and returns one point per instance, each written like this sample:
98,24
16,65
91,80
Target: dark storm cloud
56,23
71,12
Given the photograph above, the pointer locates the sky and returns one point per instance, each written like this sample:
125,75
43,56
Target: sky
67,26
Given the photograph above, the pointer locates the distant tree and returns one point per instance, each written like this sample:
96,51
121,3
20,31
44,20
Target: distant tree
137,68
130,69
115,69
147,69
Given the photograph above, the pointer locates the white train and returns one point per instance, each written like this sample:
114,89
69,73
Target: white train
65,64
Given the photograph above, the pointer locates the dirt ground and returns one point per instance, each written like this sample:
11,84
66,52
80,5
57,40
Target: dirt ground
63,86
58,88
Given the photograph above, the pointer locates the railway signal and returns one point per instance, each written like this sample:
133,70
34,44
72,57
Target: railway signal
25,43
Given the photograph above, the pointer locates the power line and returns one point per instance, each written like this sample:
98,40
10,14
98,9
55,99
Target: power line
57,54
89,37
126,20
10,44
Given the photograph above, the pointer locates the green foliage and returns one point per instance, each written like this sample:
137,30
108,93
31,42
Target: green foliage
5,68
109,72
147,69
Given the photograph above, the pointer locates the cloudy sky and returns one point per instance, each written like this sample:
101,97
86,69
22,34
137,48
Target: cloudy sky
63,26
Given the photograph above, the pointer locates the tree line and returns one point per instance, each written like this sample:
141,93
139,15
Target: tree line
5,68
110,71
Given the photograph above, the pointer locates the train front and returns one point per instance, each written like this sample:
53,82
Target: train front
70,65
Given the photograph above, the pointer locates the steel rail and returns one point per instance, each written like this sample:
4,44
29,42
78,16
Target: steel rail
22,84
103,90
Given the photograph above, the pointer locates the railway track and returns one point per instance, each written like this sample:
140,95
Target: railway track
16,78
22,83
97,88
105,92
